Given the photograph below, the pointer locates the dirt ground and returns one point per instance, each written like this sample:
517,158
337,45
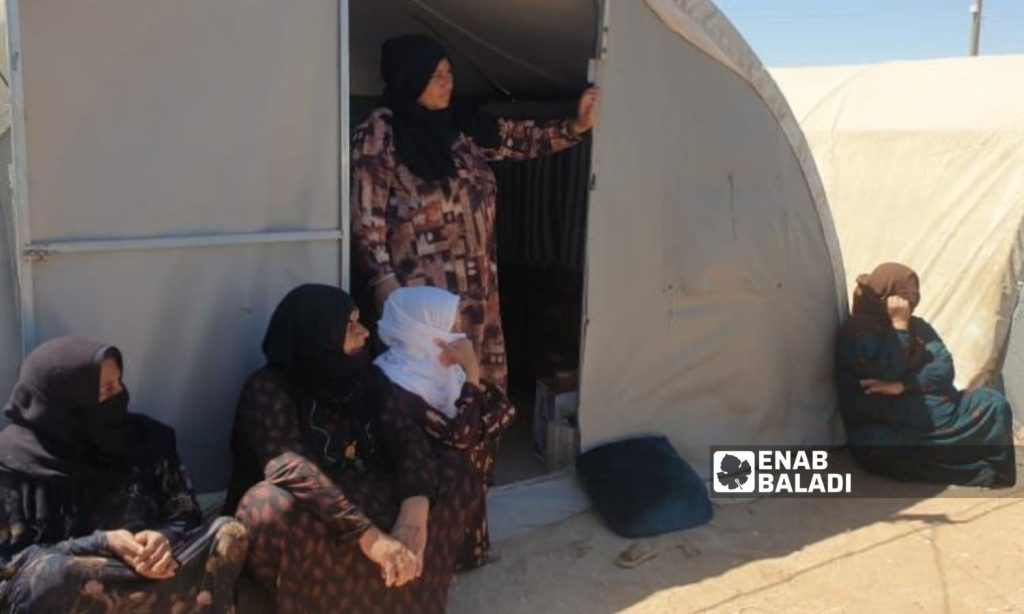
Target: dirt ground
931,550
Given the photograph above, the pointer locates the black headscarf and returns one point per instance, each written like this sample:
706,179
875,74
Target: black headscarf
305,343
59,431
423,138
306,338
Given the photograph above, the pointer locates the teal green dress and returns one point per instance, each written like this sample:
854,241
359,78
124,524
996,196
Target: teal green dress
931,433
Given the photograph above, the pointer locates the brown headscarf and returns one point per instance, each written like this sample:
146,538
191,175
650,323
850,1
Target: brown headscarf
873,291
870,313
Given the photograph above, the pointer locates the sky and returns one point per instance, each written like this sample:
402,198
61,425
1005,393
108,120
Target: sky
823,32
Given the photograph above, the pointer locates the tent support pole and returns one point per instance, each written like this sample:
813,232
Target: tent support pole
19,184
600,50
344,149
41,251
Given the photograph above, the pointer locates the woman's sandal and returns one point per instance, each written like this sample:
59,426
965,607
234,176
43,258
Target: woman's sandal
636,554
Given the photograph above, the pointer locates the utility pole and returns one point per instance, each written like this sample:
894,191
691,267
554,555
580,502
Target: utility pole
975,26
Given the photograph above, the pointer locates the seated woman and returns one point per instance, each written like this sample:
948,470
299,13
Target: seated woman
355,509
903,416
436,374
96,511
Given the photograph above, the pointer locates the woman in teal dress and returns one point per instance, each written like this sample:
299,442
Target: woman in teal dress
904,417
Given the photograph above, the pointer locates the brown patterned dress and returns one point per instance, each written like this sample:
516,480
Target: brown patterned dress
63,563
442,233
483,413
329,477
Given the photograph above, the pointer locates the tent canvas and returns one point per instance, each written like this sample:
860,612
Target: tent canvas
921,162
176,172
10,356
183,178
712,293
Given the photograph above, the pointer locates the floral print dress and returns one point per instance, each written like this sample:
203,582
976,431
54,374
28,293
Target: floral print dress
482,415
442,233
331,475
61,563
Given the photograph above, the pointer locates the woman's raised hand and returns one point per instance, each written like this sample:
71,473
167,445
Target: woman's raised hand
586,112
899,312
461,353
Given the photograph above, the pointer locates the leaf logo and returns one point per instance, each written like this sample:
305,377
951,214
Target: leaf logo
734,472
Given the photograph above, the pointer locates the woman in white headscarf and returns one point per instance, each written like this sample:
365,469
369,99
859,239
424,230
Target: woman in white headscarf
435,376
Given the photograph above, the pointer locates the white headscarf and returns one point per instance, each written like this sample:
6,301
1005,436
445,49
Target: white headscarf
414,319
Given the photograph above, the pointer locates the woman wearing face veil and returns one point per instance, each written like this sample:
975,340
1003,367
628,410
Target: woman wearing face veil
96,511
350,507
904,417
434,375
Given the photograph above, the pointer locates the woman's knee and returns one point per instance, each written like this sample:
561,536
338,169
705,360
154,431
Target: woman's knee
994,402
264,506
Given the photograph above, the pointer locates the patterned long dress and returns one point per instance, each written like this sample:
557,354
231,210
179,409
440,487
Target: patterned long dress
442,233
326,483
63,564
483,413
931,433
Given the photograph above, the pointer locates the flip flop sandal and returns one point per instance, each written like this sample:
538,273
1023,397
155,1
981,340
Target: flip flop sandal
635,554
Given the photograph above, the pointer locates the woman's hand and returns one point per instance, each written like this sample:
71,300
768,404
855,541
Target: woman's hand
899,312
586,112
411,527
877,386
461,353
413,537
123,545
155,561
398,564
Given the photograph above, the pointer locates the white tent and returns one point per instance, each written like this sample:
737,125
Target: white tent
922,164
177,168
10,355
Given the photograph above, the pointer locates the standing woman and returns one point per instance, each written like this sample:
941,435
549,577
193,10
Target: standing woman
96,511
423,195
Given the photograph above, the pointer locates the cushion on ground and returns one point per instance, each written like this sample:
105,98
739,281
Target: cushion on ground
641,487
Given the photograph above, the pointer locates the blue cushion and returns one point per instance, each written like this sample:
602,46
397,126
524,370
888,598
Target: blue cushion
641,487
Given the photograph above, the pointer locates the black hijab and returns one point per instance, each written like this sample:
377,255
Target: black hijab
305,340
305,343
59,431
423,138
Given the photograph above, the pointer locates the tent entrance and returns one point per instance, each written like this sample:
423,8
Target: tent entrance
542,212
524,60
541,233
